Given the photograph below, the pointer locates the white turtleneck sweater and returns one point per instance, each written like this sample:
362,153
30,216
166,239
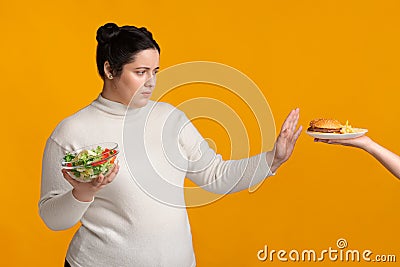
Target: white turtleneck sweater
140,218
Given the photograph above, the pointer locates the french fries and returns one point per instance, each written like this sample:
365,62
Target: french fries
347,128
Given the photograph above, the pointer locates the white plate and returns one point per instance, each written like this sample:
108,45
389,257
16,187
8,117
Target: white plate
358,132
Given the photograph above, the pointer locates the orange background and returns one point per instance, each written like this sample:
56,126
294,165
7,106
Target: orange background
330,58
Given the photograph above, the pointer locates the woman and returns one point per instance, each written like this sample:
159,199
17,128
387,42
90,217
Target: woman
388,159
132,217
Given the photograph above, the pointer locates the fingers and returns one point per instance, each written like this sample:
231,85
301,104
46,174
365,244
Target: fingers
99,182
289,126
291,121
288,136
329,141
288,121
110,177
344,142
297,134
296,119
102,180
69,178
317,140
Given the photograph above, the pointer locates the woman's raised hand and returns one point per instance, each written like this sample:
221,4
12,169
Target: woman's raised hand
286,140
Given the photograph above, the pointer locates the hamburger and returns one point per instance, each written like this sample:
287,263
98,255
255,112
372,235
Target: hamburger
325,126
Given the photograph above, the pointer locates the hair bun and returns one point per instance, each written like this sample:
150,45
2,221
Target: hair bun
146,32
107,32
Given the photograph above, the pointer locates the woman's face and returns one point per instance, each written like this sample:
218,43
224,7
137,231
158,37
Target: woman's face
137,81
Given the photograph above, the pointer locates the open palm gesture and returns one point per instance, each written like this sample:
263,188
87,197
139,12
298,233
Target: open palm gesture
286,140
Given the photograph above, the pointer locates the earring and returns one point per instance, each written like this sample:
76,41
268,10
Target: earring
110,77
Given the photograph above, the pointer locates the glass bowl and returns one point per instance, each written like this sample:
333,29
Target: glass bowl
87,163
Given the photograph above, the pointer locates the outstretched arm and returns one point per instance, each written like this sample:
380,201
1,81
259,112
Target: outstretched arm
387,158
209,170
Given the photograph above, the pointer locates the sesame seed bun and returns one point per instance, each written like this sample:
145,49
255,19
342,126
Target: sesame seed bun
325,126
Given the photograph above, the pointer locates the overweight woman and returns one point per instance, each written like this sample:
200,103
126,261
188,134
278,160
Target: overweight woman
136,216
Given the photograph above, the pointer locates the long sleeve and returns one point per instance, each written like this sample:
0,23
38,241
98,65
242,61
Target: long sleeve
57,206
208,170
124,225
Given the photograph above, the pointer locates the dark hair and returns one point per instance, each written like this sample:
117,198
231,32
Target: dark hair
119,45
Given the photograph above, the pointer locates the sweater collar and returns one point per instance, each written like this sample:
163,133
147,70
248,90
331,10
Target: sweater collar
112,107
